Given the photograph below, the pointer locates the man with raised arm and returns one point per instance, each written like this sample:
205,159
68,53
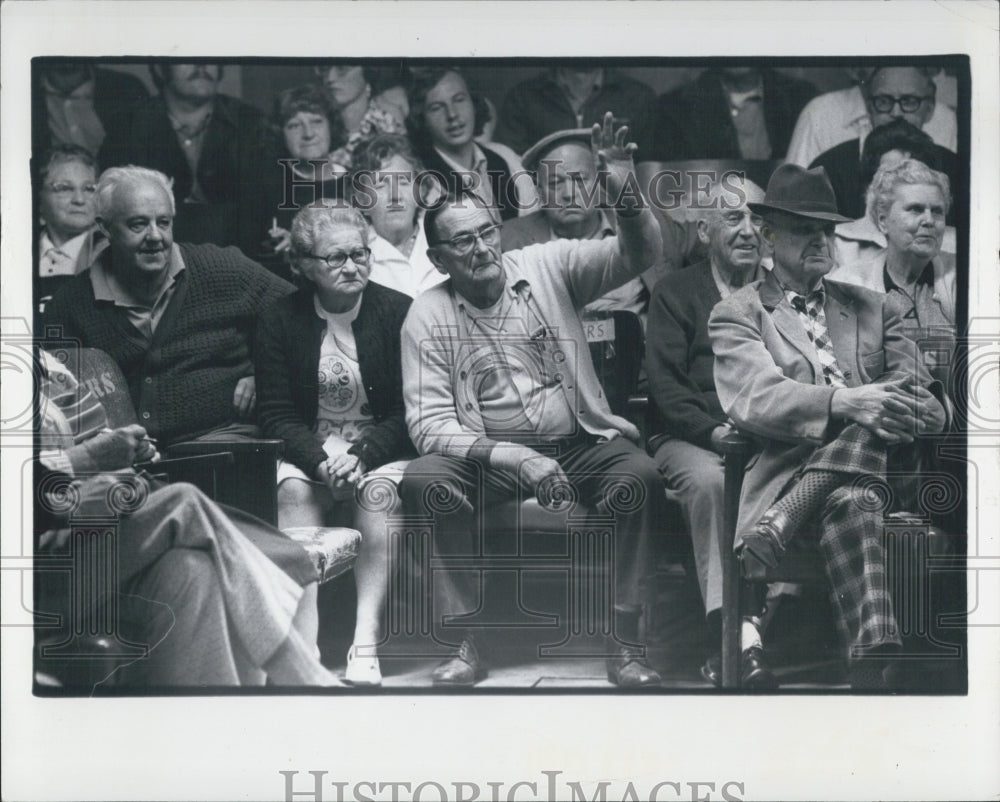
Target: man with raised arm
501,397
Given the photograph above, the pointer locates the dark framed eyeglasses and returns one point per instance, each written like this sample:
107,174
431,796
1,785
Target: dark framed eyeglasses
335,261
465,242
883,104
64,189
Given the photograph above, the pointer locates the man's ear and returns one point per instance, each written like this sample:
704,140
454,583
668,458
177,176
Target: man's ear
435,258
703,232
767,232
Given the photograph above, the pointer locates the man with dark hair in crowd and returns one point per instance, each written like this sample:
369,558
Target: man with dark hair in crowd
851,172
576,95
67,184
490,428
217,150
738,112
178,319
445,119
76,103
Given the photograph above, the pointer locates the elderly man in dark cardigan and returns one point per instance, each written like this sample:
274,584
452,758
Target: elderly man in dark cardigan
178,319
679,363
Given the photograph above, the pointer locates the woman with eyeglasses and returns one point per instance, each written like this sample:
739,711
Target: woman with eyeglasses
329,383
66,241
368,100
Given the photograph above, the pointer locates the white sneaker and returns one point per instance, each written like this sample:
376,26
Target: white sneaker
362,669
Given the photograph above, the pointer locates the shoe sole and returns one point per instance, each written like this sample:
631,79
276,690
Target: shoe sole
355,684
711,678
479,677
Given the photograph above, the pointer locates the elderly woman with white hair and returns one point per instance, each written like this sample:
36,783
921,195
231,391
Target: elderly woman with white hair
908,202
329,383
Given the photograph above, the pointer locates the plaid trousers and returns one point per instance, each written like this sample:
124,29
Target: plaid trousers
851,541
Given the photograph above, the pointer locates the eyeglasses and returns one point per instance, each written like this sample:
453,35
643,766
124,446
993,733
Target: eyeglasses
335,261
883,104
65,189
463,243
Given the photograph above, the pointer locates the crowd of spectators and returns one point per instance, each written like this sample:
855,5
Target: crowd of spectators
351,273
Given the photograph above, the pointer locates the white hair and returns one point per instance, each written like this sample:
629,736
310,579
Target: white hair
114,177
312,220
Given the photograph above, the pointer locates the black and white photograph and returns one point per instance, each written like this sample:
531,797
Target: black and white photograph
500,401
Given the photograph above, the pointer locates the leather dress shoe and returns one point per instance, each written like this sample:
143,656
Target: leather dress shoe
762,549
775,523
628,668
755,674
464,669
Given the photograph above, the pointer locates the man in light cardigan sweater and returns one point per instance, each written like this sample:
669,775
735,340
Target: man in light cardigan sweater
501,396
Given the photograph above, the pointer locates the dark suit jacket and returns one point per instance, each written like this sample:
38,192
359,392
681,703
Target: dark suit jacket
289,336
770,382
504,189
843,167
679,359
231,171
693,121
114,94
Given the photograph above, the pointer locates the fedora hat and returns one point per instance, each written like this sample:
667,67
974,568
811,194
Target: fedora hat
551,141
800,192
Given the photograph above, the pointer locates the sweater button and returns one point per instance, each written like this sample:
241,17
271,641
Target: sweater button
145,416
149,380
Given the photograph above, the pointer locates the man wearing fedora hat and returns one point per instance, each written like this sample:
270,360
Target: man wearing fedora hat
821,373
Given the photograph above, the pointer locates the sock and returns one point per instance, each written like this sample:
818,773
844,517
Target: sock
749,636
713,627
805,499
627,625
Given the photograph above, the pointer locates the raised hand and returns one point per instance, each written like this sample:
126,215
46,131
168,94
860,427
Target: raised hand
613,155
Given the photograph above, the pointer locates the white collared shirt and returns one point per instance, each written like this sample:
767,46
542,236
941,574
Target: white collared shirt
59,260
479,167
391,268
841,116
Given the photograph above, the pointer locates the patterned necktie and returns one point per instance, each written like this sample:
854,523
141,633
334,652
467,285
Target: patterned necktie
810,309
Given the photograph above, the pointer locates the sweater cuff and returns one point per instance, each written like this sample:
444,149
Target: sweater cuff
58,461
702,435
481,451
